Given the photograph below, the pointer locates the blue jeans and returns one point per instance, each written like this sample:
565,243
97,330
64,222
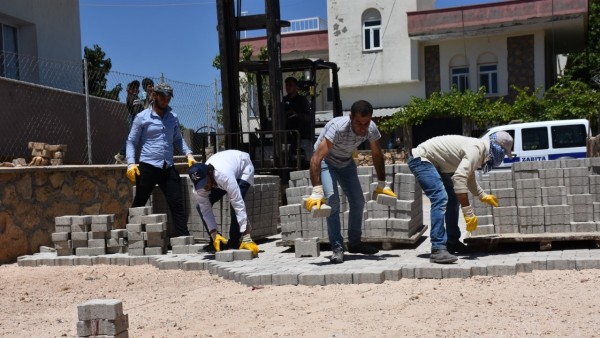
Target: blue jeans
347,178
438,187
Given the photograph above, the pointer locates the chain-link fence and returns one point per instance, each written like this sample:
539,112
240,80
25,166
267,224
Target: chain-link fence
48,101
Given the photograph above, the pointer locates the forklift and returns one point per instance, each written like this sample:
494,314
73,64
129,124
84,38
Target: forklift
267,142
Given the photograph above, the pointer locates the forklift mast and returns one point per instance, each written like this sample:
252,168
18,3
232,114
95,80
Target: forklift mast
230,23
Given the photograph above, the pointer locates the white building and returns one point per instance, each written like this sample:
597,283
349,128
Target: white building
41,42
391,50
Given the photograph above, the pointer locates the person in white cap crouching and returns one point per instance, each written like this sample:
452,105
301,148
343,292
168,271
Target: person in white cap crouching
227,172
445,168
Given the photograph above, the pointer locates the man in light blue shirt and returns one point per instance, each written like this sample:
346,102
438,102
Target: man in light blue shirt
156,131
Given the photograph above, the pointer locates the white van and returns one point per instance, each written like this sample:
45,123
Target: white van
545,140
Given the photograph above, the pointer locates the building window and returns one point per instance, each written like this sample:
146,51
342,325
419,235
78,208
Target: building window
488,78
371,30
9,62
460,78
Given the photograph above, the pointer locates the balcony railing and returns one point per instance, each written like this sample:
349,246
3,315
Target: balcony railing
305,25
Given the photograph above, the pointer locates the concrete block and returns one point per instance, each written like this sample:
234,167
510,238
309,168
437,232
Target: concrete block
386,200
98,235
92,251
307,247
325,211
341,277
80,227
157,227
140,211
62,220
284,279
182,240
100,227
111,309
134,227
96,243
311,278
103,219
81,220
60,236
366,276
154,218
224,256
155,250
119,233
135,251
106,327
242,255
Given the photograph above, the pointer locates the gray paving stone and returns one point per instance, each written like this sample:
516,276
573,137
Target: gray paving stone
341,277
591,263
456,271
368,276
311,278
560,264
501,270
430,272
284,278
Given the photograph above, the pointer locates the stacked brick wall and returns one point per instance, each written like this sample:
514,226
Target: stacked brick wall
561,196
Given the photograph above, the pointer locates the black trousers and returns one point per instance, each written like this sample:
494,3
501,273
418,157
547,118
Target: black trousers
169,182
234,228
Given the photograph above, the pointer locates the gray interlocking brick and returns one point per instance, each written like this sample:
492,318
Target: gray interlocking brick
430,272
110,309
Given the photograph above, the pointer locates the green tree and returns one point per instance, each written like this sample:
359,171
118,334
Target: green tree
98,68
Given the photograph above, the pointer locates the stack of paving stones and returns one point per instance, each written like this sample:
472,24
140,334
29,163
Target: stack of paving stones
146,232
102,318
380,222
54,153
185,245
262,207
90,235
561,196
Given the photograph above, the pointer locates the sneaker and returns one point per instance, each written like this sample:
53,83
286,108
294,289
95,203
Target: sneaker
459,248
338,255
441,256
120,159
363,248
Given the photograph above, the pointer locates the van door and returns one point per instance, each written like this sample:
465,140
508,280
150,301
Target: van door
535,143
568,141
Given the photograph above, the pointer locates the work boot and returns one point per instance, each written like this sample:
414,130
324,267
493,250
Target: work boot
338,255
441,256
459,248
362,248
120,159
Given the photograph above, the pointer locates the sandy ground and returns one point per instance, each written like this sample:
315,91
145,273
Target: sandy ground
42,302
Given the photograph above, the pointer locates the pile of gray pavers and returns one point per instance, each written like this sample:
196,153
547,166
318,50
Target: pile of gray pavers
102,318
261,200
561,196
144,234
380,221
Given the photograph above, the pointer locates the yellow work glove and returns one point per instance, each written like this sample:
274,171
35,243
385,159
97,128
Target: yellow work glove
315,199
248,244
190,160
132,172
383,187
470,218
490,200
218,240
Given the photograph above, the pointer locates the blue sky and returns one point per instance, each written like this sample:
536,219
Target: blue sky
177,37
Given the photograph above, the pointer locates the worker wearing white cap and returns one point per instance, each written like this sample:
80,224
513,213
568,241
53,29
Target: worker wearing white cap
445,168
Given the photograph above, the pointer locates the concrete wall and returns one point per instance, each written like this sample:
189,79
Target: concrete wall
41,114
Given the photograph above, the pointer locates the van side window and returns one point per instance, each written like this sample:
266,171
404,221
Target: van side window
568,136
535,138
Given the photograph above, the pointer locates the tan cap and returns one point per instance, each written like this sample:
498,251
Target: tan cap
505,141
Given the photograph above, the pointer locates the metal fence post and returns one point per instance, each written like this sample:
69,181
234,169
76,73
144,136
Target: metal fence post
87,111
